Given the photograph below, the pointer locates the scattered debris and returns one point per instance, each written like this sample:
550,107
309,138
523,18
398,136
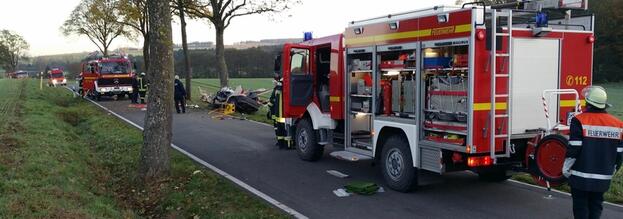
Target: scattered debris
362,188
341,193
337,173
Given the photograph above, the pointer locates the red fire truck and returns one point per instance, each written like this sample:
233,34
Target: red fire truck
101,76
483,88
56,77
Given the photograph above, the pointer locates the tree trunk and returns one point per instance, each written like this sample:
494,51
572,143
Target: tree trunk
221,65
105,52
154,161
185,50
146,52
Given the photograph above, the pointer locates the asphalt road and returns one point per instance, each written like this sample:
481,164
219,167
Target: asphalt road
246,151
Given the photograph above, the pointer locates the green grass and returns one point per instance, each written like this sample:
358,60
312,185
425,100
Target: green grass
615,97
61,157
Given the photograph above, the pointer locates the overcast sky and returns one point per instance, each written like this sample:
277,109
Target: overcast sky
39,20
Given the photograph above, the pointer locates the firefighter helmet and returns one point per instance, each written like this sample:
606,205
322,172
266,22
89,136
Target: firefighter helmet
596,96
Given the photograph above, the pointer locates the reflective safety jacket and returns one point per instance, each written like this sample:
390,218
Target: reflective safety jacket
142,85
595,150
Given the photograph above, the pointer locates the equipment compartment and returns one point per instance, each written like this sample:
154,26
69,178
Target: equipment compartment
445,103
397,84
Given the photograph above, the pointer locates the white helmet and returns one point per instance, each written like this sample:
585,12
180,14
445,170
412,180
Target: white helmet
596,96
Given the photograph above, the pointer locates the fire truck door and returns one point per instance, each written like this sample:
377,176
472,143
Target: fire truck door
298,79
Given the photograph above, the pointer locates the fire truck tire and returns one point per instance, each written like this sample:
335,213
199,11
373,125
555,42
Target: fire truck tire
397,165
494,174
306,142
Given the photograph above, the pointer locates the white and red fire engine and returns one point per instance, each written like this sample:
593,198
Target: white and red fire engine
106,76
443,89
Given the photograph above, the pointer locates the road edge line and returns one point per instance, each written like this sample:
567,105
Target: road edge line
558,191
218,171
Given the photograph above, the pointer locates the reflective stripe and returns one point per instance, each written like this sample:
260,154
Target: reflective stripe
595,131
575,143
591,175
620,150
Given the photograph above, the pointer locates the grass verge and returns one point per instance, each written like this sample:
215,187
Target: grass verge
60,157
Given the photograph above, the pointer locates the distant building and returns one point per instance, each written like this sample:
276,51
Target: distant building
239,45
196,46
265,42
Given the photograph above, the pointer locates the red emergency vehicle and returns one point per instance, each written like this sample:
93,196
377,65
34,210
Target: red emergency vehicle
106,76
56,77
481,88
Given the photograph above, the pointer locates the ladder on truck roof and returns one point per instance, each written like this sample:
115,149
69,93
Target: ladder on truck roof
504,131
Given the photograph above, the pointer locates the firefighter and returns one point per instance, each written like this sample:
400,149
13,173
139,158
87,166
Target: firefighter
594,154
179,95
142,87
135,87
276,114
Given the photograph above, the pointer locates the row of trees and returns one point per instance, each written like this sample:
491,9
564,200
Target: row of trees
102,21
243,63
246,63
13,48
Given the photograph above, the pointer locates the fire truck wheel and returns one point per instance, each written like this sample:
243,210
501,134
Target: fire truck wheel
98,96
397,165
306,142
493,174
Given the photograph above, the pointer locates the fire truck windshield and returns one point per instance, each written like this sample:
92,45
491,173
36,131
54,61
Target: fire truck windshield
56,75
114,68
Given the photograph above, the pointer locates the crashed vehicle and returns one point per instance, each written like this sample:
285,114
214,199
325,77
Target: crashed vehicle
247,102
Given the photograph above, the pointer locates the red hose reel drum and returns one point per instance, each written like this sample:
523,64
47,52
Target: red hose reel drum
545,160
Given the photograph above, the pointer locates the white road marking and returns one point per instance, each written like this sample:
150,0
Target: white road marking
557,191
218,171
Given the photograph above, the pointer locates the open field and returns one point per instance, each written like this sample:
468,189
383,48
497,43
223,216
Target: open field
615,97
61,157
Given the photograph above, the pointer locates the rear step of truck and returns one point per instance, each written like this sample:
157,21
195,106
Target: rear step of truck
349,156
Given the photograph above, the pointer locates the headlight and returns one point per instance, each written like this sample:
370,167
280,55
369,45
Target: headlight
102,89
130,89
54,81
64,80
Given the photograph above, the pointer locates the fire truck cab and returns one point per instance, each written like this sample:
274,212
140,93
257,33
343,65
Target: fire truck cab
483,88
106,77
56,77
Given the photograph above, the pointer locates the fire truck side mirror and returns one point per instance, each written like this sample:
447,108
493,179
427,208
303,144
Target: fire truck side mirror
277,64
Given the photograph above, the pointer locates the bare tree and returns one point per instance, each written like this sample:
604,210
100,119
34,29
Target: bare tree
221,12
154,161
13,48
134,14
96,19
180,6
